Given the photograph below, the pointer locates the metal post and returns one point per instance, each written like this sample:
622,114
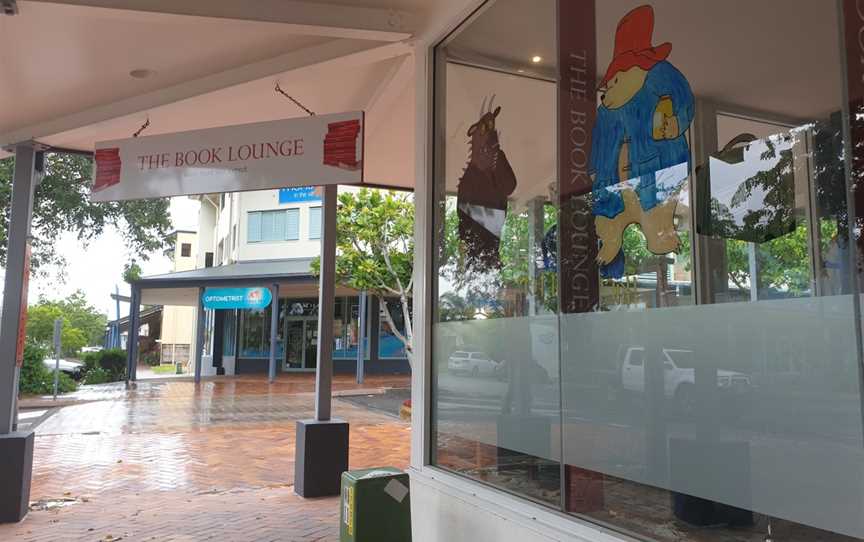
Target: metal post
58,329
199,335
326,306
361,337
132,335
116,337
274,324
15,288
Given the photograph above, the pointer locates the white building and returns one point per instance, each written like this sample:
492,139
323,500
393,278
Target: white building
178,322
246,238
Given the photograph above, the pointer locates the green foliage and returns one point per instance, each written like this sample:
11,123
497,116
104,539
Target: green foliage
636,253
62,204
82,324
784,262
375,241
97,375
375,246
91,360
104,366
36,379
113,362
131,272
150,358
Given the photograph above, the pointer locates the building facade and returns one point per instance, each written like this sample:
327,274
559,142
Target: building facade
178,322
243,236
639,273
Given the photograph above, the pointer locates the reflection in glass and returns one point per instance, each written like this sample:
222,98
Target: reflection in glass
711,391
495,359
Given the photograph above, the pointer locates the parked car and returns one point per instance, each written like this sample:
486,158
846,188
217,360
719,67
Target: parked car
74,369
473,363
679,376
91,349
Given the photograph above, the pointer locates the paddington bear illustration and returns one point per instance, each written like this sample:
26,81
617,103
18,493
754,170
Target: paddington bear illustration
485,185
639,152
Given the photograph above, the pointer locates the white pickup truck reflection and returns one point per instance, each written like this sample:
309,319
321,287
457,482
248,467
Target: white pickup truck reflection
679,376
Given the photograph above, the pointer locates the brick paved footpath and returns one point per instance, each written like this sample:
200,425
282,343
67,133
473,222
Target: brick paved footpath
172,462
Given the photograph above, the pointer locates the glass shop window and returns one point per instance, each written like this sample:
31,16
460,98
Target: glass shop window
495,356
255,333
647,251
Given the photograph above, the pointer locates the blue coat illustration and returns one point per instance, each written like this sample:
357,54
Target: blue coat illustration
638,136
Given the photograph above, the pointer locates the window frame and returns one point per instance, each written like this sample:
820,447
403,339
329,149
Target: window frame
287,214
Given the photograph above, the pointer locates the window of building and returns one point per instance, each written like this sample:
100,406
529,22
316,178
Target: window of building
185,250
676,357
208,259
314,222
279,225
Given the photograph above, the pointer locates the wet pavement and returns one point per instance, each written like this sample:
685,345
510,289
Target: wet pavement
172,461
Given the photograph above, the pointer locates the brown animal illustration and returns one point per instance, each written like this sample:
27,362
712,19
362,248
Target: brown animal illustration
658,225
485,185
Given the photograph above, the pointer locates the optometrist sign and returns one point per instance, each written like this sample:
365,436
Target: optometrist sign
315,150
236,298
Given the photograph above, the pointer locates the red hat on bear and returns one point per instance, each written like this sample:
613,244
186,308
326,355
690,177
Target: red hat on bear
633,43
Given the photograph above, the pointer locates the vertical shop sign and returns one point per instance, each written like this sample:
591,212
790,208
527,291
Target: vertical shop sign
853,15
577,107
577,246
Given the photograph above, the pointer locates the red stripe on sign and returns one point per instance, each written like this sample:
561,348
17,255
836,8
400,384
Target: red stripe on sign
108,167
340,144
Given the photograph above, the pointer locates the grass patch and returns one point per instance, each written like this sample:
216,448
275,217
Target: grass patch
164,369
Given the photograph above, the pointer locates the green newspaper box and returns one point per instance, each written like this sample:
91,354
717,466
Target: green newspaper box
376,506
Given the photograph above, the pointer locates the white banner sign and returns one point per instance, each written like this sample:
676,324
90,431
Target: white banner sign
316,150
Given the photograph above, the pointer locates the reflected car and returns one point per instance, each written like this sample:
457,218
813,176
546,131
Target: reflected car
74,369
472,363
679,376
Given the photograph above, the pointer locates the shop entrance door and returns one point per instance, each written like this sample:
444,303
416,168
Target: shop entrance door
301,344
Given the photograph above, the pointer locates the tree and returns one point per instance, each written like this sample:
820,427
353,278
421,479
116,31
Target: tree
82,324
375,247
62,204
131,272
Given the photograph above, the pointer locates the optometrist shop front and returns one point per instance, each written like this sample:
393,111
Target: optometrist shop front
640,244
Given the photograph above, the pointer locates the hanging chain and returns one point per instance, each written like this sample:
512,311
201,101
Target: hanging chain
143,127
298,104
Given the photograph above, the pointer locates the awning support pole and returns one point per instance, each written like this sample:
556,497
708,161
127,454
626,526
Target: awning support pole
14,294
274,324
321,445
16,470
199,335
132,335
326,306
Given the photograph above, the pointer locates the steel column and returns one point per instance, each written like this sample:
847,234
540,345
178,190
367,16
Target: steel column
326,306
132,335
274,324
199,335
15,288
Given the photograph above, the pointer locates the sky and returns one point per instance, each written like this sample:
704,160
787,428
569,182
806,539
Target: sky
98,267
